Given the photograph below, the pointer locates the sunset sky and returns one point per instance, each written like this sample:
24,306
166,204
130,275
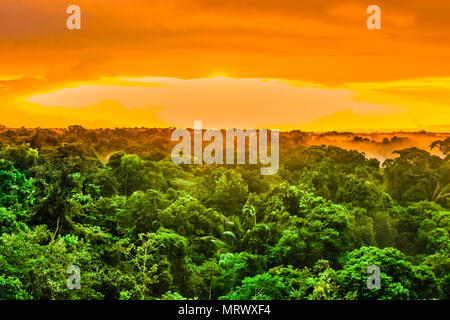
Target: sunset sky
286,64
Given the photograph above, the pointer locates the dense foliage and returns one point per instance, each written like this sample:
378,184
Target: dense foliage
141,227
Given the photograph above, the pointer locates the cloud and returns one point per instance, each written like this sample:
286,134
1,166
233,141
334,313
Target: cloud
322,41
219,102
323,50
348,120
106,114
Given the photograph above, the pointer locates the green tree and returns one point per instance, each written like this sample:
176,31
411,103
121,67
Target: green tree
260,287
399,278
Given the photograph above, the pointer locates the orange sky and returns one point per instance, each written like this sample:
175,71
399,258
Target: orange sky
311,65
